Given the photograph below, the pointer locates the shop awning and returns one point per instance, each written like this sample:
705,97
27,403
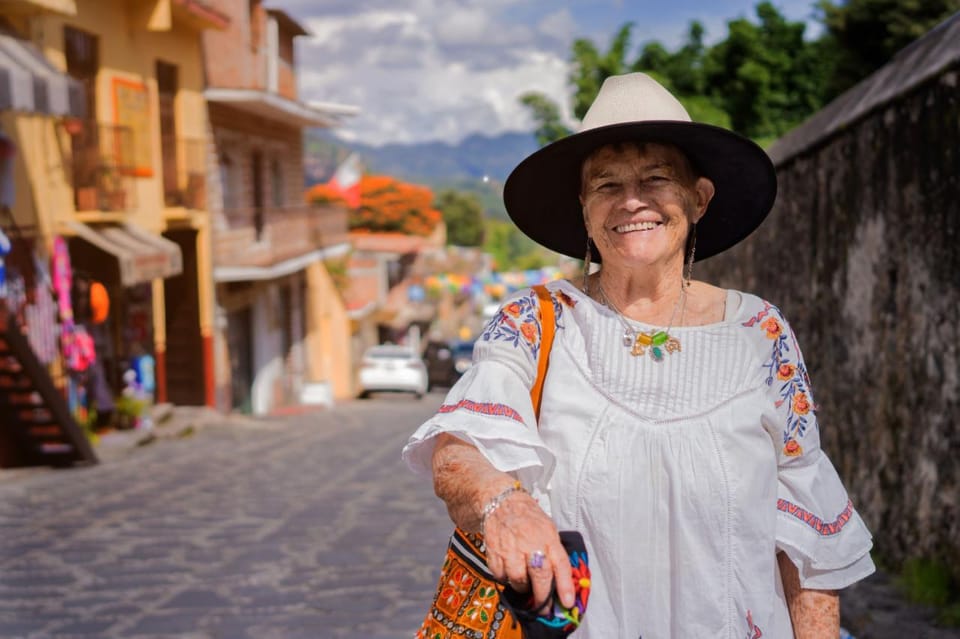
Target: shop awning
28,82
142,255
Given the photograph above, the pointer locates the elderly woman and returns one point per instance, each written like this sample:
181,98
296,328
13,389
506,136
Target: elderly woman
677,429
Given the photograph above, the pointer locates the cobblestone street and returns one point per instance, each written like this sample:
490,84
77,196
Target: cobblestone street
299,527
302,527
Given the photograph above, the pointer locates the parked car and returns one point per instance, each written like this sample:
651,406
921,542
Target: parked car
390,367
447,361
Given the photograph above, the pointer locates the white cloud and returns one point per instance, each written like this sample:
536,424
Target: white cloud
444,69
441,70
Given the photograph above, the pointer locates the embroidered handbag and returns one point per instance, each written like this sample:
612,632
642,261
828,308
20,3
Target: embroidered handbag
469,602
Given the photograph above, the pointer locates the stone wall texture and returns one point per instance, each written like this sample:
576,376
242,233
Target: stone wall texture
862,254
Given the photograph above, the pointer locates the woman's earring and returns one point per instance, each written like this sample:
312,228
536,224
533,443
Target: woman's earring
690,255
586,270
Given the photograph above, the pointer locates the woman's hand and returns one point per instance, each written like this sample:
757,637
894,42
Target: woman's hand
513,534
466,481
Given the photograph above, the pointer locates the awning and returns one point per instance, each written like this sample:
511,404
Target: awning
223,274
142,255
28,82
278,108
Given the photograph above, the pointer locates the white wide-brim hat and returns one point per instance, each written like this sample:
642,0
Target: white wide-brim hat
542,193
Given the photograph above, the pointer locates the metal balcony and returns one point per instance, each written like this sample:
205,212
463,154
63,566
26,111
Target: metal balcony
102,166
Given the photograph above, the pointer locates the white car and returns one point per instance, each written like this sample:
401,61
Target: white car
392,368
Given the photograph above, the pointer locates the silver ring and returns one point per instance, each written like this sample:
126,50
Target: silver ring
536,559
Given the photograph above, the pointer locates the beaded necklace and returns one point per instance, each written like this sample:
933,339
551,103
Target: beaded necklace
655,342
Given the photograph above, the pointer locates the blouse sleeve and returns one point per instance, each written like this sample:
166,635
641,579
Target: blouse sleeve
817,525
490,406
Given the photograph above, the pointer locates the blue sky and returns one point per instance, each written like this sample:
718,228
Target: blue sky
422,70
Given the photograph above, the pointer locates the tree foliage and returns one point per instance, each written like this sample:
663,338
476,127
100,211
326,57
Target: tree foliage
463,215
765,76
511,249
386,204
590,68
862,35
547,114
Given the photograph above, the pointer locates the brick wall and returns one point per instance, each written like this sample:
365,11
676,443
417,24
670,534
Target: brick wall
236,57
291,227
237,135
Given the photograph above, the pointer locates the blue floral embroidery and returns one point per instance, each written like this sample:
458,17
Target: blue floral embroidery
795,382
518,322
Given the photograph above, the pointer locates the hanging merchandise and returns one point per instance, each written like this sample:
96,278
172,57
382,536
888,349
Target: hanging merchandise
41,323
62,279
5,247
99,303
78,349
40,317
8,150
144,366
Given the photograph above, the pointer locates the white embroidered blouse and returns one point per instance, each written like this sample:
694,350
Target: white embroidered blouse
685,476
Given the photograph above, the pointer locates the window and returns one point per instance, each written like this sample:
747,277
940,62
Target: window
228,184
256,177
276,183
83,59
167,93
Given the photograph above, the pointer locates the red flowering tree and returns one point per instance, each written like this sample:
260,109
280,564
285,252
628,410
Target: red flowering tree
386,204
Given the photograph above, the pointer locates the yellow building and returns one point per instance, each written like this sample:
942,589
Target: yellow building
125,182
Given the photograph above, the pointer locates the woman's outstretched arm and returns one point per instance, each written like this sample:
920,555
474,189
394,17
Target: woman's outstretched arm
815,613
466,481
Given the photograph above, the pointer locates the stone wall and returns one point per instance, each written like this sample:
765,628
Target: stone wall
862,254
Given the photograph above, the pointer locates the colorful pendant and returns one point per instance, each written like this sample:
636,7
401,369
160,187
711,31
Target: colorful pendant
656,343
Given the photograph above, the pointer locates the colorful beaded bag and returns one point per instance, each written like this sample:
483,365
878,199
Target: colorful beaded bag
469,602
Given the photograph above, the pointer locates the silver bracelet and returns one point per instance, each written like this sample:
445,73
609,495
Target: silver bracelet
494,503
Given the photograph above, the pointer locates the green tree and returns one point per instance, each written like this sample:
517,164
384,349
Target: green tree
765,77
590,68
763,74
547,114
863,35
511,249
463,215
682,69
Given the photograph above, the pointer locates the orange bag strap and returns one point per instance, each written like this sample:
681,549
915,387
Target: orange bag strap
548,326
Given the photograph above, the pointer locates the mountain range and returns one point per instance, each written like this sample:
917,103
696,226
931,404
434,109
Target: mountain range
478,163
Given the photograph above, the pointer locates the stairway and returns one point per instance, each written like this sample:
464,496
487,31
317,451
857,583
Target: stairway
36,428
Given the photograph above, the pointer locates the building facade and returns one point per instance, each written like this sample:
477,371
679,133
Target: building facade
281,323
120,177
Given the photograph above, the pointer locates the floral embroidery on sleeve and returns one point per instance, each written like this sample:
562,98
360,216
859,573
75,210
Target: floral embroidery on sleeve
518,323
786,368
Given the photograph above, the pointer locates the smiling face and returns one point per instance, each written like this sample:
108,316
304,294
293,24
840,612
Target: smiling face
639,200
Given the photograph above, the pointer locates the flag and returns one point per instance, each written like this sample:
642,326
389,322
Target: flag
346,180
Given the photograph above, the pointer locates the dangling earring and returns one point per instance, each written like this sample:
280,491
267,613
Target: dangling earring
693,249
586,269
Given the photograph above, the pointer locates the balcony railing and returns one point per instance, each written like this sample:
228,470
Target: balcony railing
102,166
287,233
184,174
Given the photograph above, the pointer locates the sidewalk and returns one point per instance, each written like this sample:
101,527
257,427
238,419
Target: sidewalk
168,421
